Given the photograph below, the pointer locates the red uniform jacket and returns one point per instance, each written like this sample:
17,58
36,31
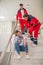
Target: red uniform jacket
34,25
33,21
19,14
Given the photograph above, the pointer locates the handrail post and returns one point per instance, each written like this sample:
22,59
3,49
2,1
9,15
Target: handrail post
10,53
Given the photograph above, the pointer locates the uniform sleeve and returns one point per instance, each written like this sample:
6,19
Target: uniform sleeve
26,11
34,21
17,16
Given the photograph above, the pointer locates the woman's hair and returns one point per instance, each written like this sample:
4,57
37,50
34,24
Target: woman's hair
16,32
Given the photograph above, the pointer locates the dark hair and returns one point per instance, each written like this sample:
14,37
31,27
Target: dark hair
21,4
16,32
25,15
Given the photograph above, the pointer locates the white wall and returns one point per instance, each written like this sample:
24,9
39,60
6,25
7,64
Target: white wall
8,9
5,32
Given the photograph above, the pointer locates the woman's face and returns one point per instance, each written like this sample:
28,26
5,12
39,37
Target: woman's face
19,34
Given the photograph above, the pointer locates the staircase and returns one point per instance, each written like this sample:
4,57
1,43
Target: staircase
35,53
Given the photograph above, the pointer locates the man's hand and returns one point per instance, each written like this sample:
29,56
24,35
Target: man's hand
28,35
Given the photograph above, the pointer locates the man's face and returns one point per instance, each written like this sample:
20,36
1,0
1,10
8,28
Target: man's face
21,7
26,18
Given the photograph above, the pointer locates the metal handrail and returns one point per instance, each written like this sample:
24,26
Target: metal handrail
4,51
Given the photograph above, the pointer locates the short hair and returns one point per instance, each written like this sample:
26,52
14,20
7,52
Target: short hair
25,15
21,4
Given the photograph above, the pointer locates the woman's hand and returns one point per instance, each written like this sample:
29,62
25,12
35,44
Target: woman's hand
19,41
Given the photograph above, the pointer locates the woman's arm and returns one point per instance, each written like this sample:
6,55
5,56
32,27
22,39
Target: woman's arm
25,43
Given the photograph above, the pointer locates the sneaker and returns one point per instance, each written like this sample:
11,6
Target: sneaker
18,57
34,45
27,57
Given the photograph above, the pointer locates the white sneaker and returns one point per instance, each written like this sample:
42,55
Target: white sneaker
18,57
27,57
34,45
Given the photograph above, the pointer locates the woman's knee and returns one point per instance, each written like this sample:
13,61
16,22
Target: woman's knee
16,44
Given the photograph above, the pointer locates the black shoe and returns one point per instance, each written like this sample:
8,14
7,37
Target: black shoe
31,38
23,33
35,41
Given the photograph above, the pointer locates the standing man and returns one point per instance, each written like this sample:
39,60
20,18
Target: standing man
34,26
19,17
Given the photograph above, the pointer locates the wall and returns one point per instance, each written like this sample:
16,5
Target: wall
5,32
8,8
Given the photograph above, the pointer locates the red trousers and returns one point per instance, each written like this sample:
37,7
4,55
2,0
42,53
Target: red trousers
22,23
35,29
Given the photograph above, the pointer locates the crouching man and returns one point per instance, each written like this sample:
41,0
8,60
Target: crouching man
21,44
34,26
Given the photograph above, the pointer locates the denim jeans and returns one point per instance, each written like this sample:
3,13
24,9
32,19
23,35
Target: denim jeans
21,48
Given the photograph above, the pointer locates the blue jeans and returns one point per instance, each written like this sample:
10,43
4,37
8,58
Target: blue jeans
21,48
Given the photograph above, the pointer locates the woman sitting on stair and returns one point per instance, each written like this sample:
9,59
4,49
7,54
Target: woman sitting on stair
20,44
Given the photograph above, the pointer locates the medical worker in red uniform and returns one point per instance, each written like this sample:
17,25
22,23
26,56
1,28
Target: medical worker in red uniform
34,26
19,17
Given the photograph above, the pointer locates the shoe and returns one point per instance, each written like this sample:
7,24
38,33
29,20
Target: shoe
34,45
27,57
23,33
18,57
